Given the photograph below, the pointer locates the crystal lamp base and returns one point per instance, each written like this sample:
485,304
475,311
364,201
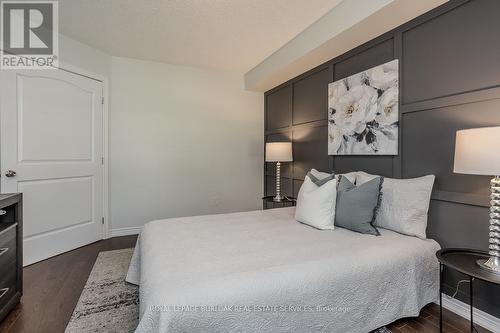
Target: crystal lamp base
492,265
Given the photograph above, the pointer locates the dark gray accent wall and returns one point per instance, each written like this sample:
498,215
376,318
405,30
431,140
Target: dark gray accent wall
449,62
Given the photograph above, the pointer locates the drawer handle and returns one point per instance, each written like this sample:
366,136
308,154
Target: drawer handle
3,212
3,292
3,250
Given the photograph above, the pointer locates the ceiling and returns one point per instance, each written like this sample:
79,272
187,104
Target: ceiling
350,24
228,35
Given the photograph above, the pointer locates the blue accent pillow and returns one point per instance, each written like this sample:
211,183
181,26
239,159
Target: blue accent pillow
357,206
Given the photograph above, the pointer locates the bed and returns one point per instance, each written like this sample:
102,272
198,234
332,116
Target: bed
262,271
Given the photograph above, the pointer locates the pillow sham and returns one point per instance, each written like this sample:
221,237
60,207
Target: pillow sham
351,176
404,204
356,205
319,182
316,204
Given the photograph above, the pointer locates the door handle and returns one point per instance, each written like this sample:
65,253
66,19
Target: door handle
3,250
10,173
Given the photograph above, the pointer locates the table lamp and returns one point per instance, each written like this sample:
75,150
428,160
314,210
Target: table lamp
278,152
477,153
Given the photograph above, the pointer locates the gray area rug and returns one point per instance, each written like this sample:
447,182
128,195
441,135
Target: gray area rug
107,302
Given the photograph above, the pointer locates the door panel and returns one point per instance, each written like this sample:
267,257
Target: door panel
42,123
51,136
72,196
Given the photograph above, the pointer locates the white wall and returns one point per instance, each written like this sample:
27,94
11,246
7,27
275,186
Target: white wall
184,141
83,57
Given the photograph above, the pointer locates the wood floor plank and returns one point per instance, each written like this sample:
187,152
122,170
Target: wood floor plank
422,325
52,289
408,329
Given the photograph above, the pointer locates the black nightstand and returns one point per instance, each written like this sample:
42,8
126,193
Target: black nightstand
269,203
463,261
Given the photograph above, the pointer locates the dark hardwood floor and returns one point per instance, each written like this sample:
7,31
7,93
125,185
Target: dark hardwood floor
428,321
52,288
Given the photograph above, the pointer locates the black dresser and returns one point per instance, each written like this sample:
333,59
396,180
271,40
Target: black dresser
11,252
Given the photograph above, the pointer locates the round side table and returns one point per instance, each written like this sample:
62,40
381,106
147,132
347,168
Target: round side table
463,261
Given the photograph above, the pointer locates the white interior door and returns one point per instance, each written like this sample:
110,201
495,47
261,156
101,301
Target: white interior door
52,141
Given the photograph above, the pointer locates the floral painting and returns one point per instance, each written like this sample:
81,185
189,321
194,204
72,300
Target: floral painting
363,115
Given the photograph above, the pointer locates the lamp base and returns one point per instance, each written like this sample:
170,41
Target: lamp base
278,198
492,264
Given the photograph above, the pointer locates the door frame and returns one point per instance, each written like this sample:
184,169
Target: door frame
105,139
105,232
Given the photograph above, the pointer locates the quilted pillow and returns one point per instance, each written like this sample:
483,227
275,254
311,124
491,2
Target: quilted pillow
404,203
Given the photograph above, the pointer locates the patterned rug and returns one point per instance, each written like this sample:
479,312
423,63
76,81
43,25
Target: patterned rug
108,303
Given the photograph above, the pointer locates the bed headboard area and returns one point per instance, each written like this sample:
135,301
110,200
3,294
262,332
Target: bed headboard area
449,79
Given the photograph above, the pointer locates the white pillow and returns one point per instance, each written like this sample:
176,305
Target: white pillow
351,176
316,205
404,203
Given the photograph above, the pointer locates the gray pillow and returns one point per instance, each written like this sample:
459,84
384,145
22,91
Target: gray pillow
357,205
318,182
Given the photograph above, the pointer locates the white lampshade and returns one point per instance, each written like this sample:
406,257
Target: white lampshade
279,152
477,151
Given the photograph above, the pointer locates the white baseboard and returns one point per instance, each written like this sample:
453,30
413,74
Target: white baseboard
480,317
125,231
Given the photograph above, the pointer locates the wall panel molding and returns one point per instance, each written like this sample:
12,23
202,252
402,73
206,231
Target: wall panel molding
480,200
457,99
278,107
309,102
462,59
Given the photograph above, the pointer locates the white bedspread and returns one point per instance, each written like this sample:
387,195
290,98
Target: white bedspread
262,271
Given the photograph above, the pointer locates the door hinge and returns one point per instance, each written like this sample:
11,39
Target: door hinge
102,220
102,100
102,160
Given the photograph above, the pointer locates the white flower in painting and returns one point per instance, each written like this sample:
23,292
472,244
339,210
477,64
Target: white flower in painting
351,146
386,140
335,90
352,109
359,147
391,66
387,107
334,139
356,80
385,76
